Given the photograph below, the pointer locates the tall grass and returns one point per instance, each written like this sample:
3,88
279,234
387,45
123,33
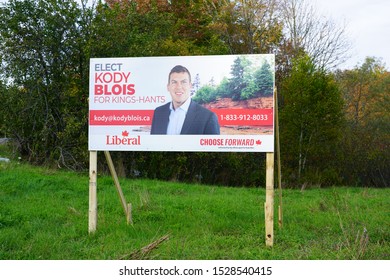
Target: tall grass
44,215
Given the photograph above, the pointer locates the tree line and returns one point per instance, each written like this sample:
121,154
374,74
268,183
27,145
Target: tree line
334,124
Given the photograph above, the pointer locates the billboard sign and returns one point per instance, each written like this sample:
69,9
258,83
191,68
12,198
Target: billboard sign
192,103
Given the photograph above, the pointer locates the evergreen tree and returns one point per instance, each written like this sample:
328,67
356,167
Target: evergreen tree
237,82
264,80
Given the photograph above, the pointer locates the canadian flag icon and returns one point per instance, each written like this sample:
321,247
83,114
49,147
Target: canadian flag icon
258,142
125,133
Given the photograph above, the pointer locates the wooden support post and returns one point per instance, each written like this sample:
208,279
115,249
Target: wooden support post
114,175
92,214
280,208
269,200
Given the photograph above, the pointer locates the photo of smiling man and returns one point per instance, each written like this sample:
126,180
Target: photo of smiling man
183,115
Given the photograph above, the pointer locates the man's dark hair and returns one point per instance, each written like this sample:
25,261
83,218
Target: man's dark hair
179,69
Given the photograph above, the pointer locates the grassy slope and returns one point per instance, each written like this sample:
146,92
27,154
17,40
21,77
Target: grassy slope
44,215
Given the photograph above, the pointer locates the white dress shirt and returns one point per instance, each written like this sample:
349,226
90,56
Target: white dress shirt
177,117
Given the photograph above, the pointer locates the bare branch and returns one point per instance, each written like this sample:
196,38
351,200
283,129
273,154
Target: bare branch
321,38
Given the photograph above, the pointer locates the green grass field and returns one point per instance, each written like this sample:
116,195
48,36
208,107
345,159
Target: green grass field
44,215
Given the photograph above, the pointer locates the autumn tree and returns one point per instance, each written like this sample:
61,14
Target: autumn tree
366,140
246,27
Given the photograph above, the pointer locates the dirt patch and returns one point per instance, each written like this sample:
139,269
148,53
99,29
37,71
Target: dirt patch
254,103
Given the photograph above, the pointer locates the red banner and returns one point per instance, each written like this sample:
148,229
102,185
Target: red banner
244,117
247,117
120,117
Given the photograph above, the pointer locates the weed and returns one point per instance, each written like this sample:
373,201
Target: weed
355,241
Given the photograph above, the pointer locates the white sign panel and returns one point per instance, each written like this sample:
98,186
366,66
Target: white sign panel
192,103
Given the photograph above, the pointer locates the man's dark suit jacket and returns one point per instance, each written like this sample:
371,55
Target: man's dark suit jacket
199,120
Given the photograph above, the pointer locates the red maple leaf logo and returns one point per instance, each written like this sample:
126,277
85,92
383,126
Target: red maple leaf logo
125,133
258,142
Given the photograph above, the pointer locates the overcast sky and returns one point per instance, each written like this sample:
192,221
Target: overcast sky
367,26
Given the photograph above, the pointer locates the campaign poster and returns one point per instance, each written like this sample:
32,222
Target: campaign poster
221,103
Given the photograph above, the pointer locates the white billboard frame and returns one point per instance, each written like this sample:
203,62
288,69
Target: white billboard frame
123,104
124,93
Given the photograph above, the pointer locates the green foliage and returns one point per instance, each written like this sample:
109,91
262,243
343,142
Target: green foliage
223,89
42,59
205,168
206,94
122,31
264,79
312,123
